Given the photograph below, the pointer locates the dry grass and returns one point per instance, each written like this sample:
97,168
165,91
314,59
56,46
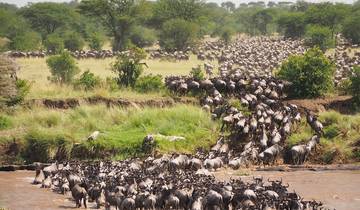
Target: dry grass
36,71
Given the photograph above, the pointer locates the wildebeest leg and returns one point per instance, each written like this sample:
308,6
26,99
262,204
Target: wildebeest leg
84,198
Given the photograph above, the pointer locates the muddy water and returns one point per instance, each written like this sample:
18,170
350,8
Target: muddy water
337,189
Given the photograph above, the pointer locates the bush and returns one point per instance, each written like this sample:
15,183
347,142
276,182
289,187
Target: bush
23,88
226,34
96,41
149,83
311,75
62,67
54,43
178,34
87,81
197,73
292,24
73,41
355,85
142,37
26,41
4,122
319,36
351,28
128,67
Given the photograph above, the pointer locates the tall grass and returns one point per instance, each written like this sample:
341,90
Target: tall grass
341,132
43,131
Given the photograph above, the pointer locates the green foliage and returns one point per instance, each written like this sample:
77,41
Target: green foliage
96,41
46,18
63,67
311,74
355,85
197,73
128,67
149,83
189,10
319,36
26,41
117,16
292,25
351,28
73,41
87,81
226,34
23,88
143,37
5,122
178,34
261,20
54,43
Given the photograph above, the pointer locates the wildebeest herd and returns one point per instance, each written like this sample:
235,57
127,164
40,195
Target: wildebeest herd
164,183
256,123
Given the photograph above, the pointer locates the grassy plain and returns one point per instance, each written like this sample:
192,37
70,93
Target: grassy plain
37,72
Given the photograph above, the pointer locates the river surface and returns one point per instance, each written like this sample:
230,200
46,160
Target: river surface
336,189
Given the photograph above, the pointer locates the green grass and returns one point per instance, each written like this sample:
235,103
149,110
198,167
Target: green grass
43,131
340,134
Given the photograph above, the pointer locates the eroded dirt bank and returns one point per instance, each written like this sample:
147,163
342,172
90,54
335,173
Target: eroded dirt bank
336,189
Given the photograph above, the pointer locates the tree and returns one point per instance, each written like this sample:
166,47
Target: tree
26,41
311,74
63,68
117,16
46,18
319,36
261,20
292,25
189,10
96,41
355,85
73,41
327,14
128,67
226,34
229,6
178,34
54,43
142,36
351,28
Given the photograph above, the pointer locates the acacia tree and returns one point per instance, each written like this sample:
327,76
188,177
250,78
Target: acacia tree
118,16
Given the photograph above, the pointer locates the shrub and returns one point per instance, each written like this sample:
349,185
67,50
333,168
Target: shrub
88,81
311,74
319,36
149,83
26,41
142,37
128,67
226,34
178,34
62,67
292,24
96,41
54,43
355,85
351,28
111,83
4,122
23,88
73,41
197,73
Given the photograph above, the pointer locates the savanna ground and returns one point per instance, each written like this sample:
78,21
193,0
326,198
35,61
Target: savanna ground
123,129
